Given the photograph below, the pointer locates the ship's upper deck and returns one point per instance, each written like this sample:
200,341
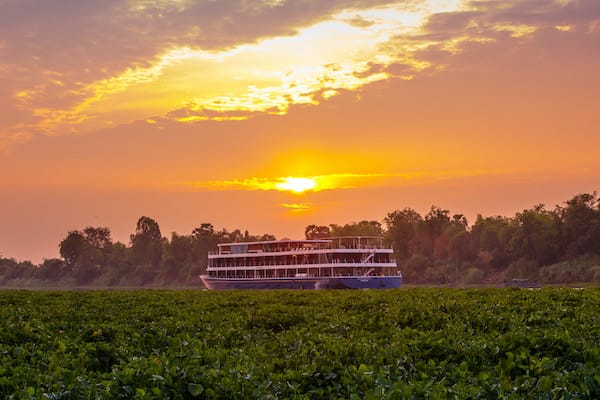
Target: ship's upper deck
286,245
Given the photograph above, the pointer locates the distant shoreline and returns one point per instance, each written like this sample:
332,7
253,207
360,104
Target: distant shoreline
199,287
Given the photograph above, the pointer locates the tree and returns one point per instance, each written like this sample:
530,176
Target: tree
72,247
98,237
451,246
402,228
537,237
205,230
87,248
181,248
51,269
317,232
434,223
146,243
10,269
581,224
490,238
267,236
204,239
362,228
459,239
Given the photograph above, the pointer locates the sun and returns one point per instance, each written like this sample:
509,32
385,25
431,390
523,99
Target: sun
296,185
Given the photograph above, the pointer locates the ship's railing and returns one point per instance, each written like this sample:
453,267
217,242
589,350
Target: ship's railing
368,261
337,243
300,250
312,272
328,267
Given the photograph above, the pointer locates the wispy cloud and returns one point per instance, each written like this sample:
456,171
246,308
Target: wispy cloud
296,207
337,181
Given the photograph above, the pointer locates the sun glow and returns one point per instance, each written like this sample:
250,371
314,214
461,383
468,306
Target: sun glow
296,185
340,181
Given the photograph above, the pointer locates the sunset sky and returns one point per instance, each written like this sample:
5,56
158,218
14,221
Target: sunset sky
273,115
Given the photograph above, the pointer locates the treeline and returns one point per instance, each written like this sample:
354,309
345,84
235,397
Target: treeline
560,245
91,258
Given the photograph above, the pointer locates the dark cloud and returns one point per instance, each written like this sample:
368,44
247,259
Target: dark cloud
449,34
103,36
93,39
539,13
450,22
78,42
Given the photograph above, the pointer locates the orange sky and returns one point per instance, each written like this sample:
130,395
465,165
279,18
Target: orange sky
199,111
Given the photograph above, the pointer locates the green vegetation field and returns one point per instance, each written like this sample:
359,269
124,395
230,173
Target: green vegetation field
410,343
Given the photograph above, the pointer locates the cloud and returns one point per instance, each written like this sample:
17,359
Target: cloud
297,207
498,15
98,38
76,67
360,22
318,183
194,114
66,57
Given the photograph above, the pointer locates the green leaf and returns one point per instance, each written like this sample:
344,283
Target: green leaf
195,389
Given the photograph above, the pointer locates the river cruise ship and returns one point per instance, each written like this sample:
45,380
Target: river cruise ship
356,262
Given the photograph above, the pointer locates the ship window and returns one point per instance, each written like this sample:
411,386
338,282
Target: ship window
239,249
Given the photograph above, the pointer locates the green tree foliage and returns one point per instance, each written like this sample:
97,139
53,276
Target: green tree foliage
204,240
13,271
51,270
490,239
581,269
581,224
146,243
180,248
87,252
401,228
98,237
90,246
537,236
439,247
72,247
559,245
435,222
317,232
362,228
430,248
